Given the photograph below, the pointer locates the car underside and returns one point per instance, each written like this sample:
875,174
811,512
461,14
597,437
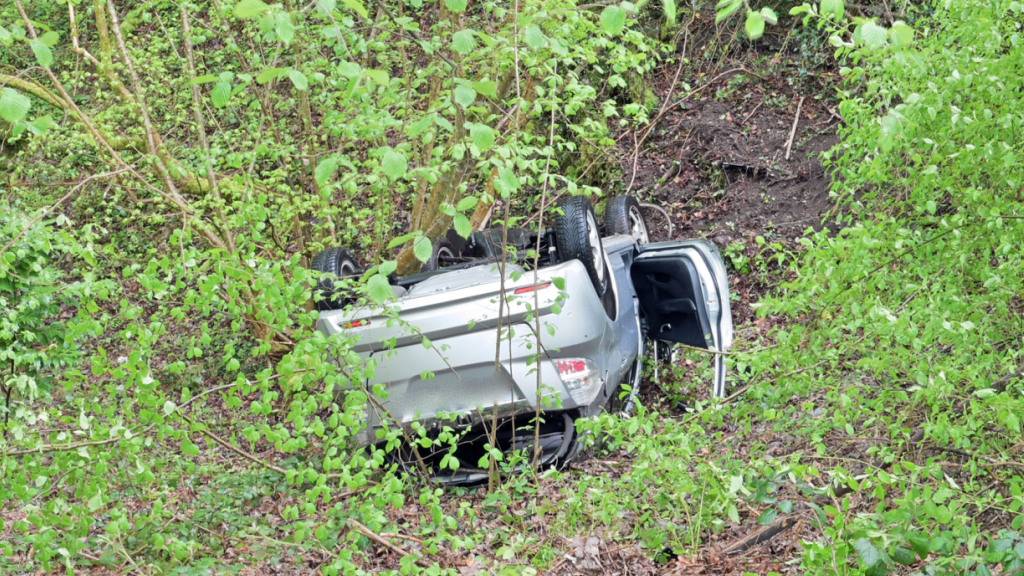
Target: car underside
494,332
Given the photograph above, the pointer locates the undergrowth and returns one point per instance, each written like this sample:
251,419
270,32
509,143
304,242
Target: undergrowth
168,406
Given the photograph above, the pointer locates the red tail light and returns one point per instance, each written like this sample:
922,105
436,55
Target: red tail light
355,324
571,366
534,288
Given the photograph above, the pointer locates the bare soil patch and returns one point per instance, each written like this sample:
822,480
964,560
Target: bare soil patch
718,164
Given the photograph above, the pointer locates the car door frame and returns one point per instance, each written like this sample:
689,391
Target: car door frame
703,260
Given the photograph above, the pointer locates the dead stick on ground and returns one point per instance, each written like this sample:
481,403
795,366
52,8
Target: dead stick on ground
377,538
250,457
763,535
748,116
792,131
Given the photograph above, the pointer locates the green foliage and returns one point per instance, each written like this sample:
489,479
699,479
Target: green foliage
755,20
13,105
325,125
133,350
914,306
35,341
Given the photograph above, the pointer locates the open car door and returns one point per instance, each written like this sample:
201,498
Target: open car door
684,297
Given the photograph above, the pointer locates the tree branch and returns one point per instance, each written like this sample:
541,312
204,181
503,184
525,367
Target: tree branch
33,89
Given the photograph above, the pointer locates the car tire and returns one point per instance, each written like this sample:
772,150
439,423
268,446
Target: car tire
577,237
622,215
443,255
333,264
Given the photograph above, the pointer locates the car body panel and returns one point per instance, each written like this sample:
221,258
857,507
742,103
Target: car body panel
434,354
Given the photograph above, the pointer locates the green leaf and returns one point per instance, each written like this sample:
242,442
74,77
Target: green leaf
465,95
169,407
394,164
456,6
488,88
379,289
188,448
41,124
377,76
220,94
50,38
754,25
268,74
921,544
904,556
613,19
447,209
399,240
901,34
835,8
13,105
535,37
387,267
462,225
872,35
483,136
869,555
325,170
44,56
357,6
464,41
246,9
507,182
668,7
283,27
326,7
467,203
6,38
726,8
1012,422
95,503
769,15
422,248
298,79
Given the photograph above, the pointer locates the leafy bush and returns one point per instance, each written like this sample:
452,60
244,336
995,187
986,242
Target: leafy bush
912,345
221,145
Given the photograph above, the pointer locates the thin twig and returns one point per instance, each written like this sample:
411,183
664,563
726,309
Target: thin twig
536,293
69,446
792,131
46,211
358,526
663,212
756,108
235,449
197,115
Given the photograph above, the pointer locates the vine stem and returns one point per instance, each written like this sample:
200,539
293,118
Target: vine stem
536,293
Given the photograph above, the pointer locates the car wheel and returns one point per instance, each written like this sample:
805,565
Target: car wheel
622,215
334,264
443,256
577,237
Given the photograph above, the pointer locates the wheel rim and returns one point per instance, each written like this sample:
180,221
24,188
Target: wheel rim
594,238
637,226
444,257
346,269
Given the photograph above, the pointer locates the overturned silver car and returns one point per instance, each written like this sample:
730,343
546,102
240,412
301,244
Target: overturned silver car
601,303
